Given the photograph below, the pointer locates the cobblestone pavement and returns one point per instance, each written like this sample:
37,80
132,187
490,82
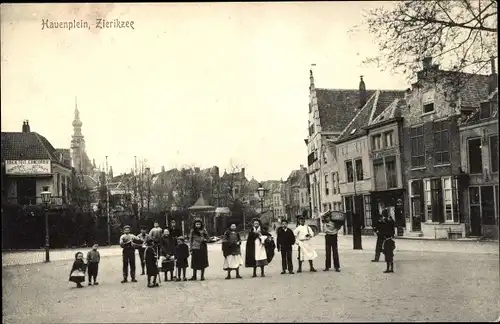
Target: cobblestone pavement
427,286
38,256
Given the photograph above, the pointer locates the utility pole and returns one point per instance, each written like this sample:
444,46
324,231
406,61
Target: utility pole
107,202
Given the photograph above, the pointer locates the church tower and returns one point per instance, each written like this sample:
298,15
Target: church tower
77,143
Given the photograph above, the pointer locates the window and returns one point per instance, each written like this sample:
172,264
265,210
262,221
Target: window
417,147
368,211
390,168
475,156
379,174
349,171
334,183
327,189
338,182
485,110
441,142
324,207
494,153
325,157
359,169
377,142
428,108
428,200
388,139
329,206
448,200
302,197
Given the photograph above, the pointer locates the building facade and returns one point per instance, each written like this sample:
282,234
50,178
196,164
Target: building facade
479,160
31,164
296,196
330,111
354,154
432,168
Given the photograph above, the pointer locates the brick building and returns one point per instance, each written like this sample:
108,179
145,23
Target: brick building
296,197
432,167
479,147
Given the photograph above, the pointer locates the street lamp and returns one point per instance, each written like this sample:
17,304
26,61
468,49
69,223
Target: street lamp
262,192
46,197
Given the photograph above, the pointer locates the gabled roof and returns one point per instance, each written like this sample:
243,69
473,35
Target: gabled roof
337,107
27,146
382,103
355,127
474,117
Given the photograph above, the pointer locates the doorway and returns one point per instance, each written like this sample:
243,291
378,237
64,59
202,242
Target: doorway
475,211
26,191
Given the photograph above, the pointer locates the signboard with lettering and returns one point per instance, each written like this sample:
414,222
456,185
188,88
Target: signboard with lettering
382,153
27,167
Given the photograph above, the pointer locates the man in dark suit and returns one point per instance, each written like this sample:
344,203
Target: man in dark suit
380,229
285,241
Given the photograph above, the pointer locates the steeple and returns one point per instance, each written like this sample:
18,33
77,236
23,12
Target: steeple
77,122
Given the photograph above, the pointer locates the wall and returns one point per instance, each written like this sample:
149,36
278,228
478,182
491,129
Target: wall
350,150
395,150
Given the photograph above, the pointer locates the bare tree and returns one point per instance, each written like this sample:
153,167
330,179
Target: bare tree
232,187
462,33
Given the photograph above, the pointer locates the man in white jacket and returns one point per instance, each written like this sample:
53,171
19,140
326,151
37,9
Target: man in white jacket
303,233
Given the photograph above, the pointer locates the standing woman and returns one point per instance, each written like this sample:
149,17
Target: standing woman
303,233
231,250
257,255
199,253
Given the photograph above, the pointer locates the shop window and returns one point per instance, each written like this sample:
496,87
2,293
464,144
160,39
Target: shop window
368,211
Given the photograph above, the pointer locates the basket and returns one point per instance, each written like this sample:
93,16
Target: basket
337,216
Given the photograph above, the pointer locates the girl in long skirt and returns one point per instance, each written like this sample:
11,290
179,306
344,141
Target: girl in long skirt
77,273
199,254
232,251
259,249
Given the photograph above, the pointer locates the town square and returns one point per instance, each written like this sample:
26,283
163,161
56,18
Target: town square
250,162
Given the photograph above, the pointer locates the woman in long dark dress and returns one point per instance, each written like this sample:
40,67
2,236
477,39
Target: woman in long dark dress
199,253
150,259
259,249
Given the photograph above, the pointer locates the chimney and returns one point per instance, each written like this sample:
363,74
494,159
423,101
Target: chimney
26,126
362,93
493,83
427,62
242,172
162,169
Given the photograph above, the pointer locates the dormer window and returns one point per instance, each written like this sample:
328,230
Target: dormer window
485,110
428,102
353,131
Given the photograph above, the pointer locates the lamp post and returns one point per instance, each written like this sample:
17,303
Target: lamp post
262,192
46,197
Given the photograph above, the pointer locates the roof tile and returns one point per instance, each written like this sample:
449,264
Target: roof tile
22,146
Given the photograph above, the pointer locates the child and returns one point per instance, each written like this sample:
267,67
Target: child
150,259
199,252
285,240
388,247
77,274
167,252
93,259
232,251
181,254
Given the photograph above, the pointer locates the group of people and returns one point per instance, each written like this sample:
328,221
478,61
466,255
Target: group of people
164,250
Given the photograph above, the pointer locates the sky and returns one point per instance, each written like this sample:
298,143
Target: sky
223,84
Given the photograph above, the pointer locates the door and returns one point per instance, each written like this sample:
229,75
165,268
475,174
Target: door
475,211
26,191
416,205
